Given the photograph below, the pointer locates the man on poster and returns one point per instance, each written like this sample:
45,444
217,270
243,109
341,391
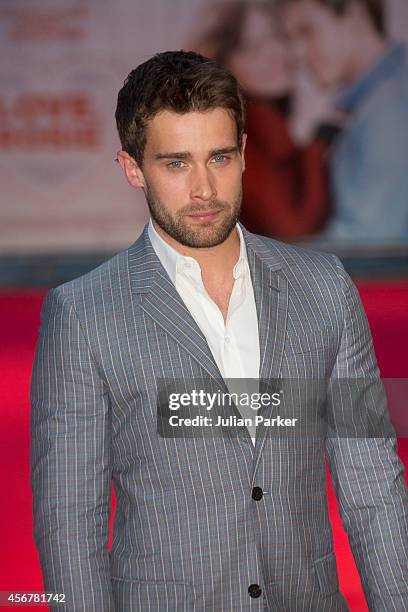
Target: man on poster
345,46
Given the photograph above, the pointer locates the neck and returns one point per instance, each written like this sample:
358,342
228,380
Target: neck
216,262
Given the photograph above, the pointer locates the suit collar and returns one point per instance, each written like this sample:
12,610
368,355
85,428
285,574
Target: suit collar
171,259
144,263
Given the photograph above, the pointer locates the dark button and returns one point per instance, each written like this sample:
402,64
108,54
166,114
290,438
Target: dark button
254,590
257,493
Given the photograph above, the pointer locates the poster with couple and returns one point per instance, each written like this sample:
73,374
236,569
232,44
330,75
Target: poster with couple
326,91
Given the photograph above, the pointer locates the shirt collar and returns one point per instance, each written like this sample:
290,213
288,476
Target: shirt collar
173,262
392,59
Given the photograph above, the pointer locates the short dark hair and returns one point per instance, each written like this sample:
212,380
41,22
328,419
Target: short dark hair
179,81
373,8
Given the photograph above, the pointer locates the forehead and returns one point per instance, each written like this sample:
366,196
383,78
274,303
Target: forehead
191,131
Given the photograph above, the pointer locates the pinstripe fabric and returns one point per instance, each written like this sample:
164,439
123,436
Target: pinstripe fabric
187,535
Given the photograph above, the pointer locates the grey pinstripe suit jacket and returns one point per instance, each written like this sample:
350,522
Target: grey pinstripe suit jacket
187,533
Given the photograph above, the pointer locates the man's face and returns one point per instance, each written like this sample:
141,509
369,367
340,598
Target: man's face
321,39
192,175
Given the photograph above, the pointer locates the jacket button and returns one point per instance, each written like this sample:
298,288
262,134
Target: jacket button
257,493
254,590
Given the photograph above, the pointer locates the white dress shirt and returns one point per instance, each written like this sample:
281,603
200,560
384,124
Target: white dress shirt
234,343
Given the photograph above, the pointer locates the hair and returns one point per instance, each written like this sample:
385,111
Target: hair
178,81
373,8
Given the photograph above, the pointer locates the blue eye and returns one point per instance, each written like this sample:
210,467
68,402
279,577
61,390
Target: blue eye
220,158
175,164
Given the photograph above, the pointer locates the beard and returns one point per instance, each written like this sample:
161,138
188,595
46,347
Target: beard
203,235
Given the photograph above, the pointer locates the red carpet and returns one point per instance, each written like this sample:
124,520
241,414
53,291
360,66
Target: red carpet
387,308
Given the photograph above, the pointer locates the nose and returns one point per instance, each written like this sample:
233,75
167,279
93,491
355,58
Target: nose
202,184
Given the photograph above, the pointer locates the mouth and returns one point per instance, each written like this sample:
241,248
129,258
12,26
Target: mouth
200,217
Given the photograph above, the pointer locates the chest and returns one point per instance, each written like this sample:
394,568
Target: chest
221,293
221,297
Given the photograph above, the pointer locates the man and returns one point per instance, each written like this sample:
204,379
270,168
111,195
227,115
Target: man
344,44
229,522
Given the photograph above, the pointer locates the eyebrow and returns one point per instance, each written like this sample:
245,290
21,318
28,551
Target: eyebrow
187,154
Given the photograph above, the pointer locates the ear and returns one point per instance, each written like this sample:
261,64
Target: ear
244,139
131,169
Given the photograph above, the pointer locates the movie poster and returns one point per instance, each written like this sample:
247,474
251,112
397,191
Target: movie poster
63,64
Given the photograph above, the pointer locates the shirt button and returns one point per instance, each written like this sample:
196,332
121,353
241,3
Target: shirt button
227,339
254,590
257,493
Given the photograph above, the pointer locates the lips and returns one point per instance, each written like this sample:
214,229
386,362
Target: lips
207,214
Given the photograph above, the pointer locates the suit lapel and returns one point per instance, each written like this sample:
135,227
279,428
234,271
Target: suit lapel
154,292
271,297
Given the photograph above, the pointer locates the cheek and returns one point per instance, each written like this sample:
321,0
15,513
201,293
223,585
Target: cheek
168,186
230,184
174,196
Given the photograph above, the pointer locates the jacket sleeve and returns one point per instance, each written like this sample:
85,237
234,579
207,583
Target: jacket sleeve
367,474
70,467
